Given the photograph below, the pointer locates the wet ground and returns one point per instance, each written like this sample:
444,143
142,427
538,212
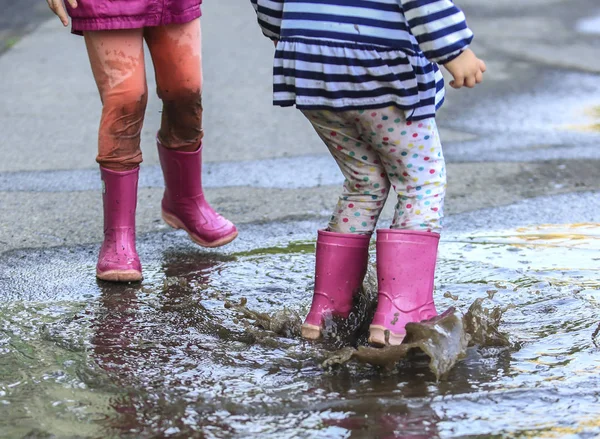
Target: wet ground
178,356
207,345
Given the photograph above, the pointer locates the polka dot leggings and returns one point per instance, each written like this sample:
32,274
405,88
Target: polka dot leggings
377,150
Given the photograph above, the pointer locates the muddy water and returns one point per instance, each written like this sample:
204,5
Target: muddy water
208,346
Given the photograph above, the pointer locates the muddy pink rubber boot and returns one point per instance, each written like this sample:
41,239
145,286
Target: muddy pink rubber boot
118,260
341,265
184,206
405,273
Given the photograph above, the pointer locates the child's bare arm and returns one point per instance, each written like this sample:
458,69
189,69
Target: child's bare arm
58,7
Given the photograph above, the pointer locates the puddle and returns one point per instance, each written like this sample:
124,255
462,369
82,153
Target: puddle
207,346
593,115
590,25
558,255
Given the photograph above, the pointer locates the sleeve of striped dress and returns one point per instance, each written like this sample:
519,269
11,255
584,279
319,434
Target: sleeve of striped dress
439,26
269,13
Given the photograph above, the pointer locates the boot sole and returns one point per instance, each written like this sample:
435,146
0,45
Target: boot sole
377,337
311,332
119,275
174,222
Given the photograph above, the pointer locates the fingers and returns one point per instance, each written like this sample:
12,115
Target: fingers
73,3
459,81
58,8
62,14
470,81
467,70
479,77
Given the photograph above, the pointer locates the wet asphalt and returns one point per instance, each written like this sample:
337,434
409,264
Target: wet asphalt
522,150
526,138
531,132
67,273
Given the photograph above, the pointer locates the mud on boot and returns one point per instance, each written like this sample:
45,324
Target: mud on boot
184,206
341,265
405,274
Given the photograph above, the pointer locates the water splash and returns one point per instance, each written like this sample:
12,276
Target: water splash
170,358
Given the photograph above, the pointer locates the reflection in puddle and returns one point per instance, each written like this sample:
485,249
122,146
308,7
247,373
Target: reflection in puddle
208,346
561,255
593,115
590,25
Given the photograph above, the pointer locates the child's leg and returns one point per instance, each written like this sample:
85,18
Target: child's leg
343,251
177,58
366,186
406,256
412,155
117,60
176,55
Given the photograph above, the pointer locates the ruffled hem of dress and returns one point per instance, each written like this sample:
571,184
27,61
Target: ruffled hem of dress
413,89
81,25
410,113
406,50
389,56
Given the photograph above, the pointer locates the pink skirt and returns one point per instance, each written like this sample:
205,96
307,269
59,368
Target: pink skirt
94,15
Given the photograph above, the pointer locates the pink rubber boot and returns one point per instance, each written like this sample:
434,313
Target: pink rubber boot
405,273
184,206
341,265
118,260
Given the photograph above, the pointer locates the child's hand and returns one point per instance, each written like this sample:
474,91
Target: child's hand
466,69
58,8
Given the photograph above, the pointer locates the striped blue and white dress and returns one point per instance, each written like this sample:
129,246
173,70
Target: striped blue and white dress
362,54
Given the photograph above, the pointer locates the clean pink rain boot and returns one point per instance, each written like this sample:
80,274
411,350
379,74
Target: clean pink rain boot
184,206
118,260
405,273
341,265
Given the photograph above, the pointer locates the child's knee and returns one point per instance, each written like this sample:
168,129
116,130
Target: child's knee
183,106
373,186
120,130
123,113
182,116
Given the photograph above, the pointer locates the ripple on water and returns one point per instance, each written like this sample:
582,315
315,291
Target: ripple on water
169,358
